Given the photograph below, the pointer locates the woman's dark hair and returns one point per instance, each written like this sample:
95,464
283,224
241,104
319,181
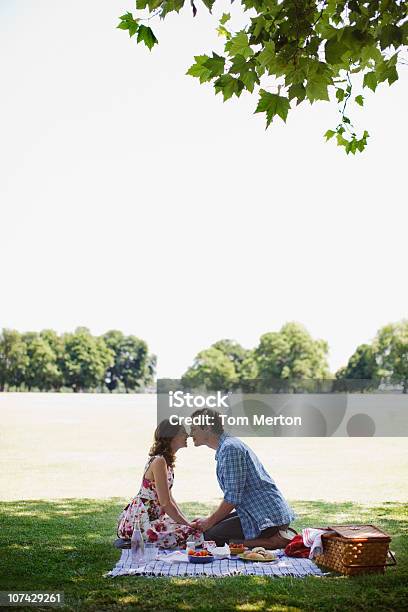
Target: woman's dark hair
164,434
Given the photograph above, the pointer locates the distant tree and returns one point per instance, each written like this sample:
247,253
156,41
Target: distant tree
211,369
234,351
244,362
249,372
150,369
361,365
85,360
391,352
132,365
291,353
13,359
56,344
113,340
42,369
362,368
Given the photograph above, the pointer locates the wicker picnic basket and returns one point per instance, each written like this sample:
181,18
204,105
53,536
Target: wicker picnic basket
355,550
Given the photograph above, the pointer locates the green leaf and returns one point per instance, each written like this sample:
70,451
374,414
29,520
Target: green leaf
239,45
170,6
145,34
258,25
229,86
272,105
249,79
141,4
154,4
341,141
199,69
316,89
391,35
267,57
221,31
340,93
334,51
215,65
329,134
392,75
133,28
245,70
370,80
123,25
359,100
209,4
129,23
298,91
238,65
226,17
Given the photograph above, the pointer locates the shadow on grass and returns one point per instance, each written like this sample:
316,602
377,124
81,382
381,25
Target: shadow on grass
66,545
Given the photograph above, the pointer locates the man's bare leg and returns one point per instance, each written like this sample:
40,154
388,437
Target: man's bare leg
271,543
272,538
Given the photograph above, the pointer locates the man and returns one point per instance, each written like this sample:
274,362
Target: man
253,510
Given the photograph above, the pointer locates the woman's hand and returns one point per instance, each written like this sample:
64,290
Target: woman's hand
203,524
192,525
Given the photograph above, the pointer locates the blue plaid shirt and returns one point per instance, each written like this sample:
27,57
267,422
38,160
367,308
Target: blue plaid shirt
247,485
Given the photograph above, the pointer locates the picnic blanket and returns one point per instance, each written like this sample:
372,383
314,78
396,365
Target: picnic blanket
284,566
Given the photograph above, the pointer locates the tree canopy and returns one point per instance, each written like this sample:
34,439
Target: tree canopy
291,358
391,351
290,353
212,369
362,365
294,51
385,359
132,365
77,361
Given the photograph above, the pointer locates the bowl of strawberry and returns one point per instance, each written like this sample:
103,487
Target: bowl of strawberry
200,556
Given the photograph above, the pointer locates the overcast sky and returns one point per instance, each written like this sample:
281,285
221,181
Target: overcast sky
133,198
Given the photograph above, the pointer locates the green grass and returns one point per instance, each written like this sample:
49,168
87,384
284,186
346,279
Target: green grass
67,545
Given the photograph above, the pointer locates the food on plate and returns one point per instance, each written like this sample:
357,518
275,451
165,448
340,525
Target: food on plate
236,549
269,555
258,549
259,555
199,553
252,556
200,556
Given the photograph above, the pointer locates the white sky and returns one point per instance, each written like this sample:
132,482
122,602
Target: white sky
133,198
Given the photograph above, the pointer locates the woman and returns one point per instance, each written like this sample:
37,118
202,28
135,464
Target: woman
160,518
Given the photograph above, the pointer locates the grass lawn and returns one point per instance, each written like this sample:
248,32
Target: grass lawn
66,545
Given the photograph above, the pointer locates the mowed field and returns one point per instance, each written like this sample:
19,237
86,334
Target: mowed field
95,446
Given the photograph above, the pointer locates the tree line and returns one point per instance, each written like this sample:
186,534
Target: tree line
290,357
77,361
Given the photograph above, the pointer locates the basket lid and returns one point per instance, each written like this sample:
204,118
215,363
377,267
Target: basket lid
360,532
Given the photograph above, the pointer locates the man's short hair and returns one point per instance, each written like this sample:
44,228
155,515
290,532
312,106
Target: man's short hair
215,425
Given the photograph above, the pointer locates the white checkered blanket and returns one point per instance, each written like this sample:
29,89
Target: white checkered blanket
284,566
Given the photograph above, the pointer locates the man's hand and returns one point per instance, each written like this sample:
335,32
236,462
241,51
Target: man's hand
203,524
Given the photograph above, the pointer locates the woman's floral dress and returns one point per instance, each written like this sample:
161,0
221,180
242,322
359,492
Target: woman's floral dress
155,525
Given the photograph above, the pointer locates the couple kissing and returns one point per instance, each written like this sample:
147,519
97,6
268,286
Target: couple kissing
253,510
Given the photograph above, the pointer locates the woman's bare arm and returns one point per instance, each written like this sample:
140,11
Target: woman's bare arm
166,501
